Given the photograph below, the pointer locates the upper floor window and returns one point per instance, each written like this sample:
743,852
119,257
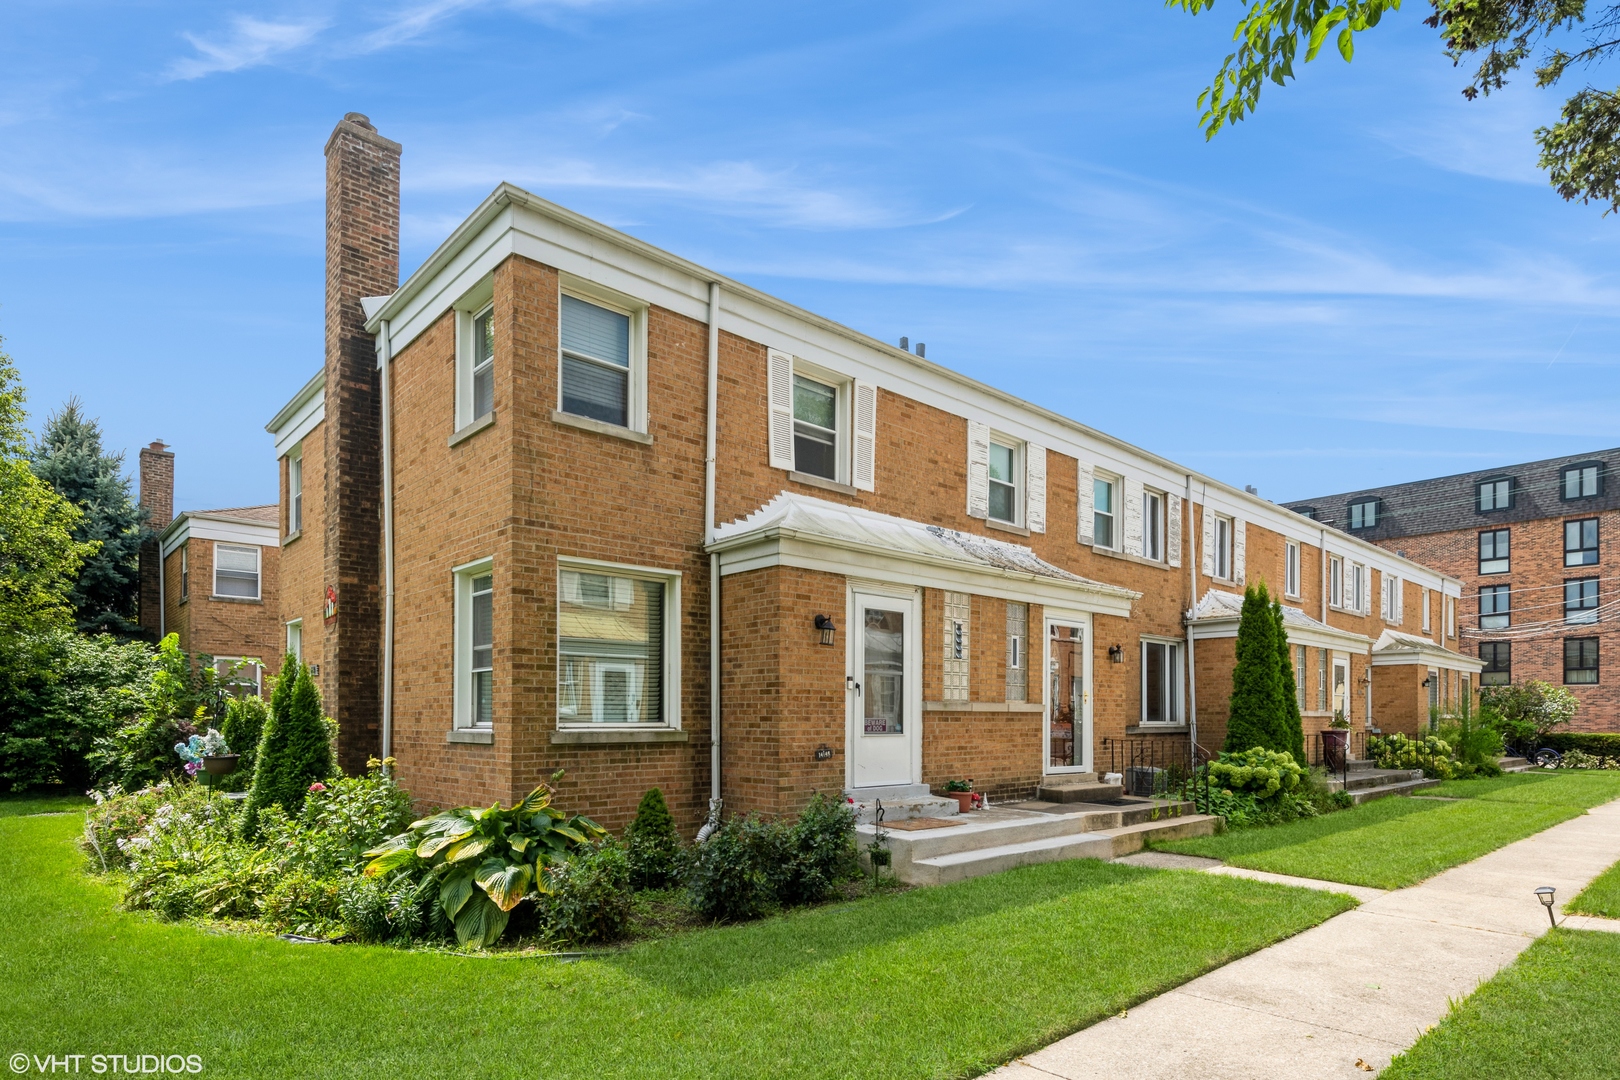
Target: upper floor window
1004,472
475,646
1290,568
1161,682
1493,551
617,647
1583,481
185,575
1153,526
1581,542
1581,661
1426,617
1103,496
815,428
596,361
1360,586
1390,597
1364,514
1581,600
1495,494
236,571
1494,612
1498,657
1305,511
1223,547
483,364
295,491
1336,581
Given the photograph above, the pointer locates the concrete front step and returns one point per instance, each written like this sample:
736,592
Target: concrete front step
1365,779
1514,764
1106,844
901,802
1402,787
1063,790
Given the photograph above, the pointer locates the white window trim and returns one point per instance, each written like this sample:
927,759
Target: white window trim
295,490
258,670
672,641
461,661
1178,679
1336,599
636,310
1223,552
474,303
1427,619
843,438
185,574
258,572
1159,536
1292,562
1116,514
1020,480
296,627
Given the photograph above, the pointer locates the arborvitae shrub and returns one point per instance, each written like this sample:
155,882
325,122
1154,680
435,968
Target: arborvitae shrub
1291,731
244,726
294,751
1253,718
652,845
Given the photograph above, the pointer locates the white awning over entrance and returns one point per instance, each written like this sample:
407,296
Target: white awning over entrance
1218,613
813,534
1395,647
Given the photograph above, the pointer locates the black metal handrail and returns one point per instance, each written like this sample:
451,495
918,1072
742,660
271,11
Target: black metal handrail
1159,766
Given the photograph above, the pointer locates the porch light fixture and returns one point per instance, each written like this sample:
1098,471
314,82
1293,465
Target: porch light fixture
1116,653
1545,895
824,625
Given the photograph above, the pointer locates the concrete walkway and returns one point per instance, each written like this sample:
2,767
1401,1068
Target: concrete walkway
1339,1000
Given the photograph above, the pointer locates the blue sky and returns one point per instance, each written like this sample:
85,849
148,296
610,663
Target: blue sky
1367,282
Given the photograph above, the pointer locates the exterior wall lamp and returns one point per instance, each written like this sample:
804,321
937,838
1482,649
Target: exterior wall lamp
1116,653
825,627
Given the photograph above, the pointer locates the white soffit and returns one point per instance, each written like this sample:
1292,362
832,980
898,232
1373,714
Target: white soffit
813,534
1218,614
299,416
1395,647
191,526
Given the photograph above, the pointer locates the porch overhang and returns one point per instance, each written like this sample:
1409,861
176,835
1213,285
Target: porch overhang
813,534
1217,616
1395,648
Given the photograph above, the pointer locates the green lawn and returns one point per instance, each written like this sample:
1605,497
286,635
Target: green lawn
1549,1016
935,982
1601,897
1582,788
1387,844
36,802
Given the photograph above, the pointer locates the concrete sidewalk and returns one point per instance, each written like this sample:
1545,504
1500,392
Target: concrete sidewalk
1341,999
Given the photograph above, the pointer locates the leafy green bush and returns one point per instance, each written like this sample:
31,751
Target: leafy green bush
304,903
736,873
1260,772
243,727
587,898
295,750
385,908
652,845
1539,704
338,824
179,698
1432,754
1580,759
1596,744
1476,744
821,843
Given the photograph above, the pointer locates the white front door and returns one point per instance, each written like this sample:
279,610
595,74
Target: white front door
1068,705
884,689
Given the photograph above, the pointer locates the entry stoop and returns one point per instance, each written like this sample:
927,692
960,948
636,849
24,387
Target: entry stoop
1078,787
901,802
1367,783
989,841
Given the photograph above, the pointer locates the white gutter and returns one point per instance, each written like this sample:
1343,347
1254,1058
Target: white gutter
708,536
1192,669
161,602
386,344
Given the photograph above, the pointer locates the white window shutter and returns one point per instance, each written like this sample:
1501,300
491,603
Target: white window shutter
1035,487
1400,601
1086,524
864,472
1133,515
1237,550
1172,529
978,469
780,378
1207,563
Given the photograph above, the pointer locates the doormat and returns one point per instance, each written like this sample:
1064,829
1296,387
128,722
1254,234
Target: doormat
917,824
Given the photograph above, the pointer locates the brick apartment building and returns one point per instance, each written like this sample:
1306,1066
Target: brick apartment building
1525,540
556,489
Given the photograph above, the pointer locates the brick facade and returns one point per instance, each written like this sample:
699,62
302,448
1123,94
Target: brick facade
157,499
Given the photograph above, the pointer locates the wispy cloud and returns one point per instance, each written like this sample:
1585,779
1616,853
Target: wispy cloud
249,43
411,22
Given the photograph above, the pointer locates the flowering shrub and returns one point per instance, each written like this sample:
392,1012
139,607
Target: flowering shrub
1261,772
1580,759
1432,754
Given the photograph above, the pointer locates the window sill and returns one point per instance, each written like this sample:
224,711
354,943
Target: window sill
984,706
616,736
290,537
1223,581
585,423
1005,526
479,736
236,600
472,429
1156,729
1113,553
821,482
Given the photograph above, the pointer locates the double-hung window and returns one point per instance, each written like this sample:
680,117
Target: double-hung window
1581,600
596,361
295,491
1322,680
815,427
1580,661
1336,581
185,575
1498,657
1300,671
483,364
1364,514
475,645
1004,473
1290,568
295,639
1104,513
1359,586
1426,617
1495,494
1494,552
1161,682
1153,526
1494,610
1223,548
1583,481
240,676
1581,542
236,571
618,646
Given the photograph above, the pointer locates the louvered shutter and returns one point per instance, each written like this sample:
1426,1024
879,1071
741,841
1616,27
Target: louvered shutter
1085,485
1172,529
1237,550
780,378
864,473
1400,601
1035,487
978,470
1207,562
1133,515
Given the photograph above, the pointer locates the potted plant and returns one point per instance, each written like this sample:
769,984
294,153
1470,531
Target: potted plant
962,791
1334,740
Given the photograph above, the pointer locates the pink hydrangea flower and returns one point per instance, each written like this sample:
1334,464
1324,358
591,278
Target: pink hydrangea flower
317,786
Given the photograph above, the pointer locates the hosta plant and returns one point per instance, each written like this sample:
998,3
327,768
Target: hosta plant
487,860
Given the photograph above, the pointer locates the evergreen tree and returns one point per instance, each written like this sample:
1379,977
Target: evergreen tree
69,457
1291,730
1253,718
652,844
295,750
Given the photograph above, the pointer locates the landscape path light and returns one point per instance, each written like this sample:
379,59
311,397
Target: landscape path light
1545,895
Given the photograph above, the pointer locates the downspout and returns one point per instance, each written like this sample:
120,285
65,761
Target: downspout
708,536
162,603
387,344
1192,608
1323,550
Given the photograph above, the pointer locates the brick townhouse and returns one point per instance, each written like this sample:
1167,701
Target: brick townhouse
1526,541
216,588
555,489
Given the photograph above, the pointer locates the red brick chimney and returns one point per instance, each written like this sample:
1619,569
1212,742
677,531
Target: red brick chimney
362,259
157,497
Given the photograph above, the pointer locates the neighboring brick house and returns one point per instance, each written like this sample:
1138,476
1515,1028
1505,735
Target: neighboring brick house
218,589
557,440
1526,541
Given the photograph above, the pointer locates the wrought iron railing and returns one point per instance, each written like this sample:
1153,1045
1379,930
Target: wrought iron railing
1334,750
1159,766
